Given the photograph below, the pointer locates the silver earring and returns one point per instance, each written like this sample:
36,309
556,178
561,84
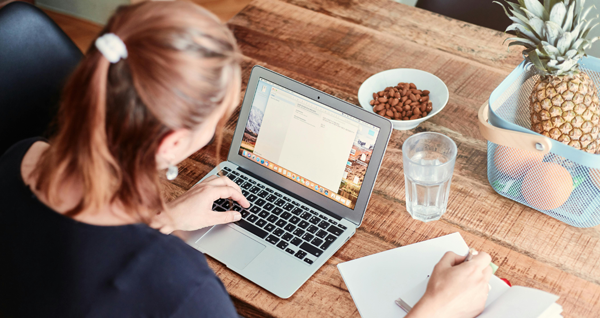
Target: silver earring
172,172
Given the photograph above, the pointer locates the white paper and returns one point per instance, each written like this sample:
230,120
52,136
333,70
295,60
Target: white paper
376,281
498,287
521,302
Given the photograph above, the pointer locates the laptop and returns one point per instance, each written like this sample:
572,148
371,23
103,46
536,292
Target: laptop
307,162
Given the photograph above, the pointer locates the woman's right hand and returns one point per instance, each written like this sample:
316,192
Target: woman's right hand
193,209
456,289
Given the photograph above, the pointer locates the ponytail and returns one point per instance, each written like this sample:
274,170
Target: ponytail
80,152
182,64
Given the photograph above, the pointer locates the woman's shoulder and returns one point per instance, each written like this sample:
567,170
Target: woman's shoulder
16,153
15,162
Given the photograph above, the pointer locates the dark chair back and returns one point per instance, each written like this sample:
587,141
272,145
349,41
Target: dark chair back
36,58
480,12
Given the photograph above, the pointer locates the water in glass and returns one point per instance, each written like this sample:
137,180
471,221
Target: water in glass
427,191
428,166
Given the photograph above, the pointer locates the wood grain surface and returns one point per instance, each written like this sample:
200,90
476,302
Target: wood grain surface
334,46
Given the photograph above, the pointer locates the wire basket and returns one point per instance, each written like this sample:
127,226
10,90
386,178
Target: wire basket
529,168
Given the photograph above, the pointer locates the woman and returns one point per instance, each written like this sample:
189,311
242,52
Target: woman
84,228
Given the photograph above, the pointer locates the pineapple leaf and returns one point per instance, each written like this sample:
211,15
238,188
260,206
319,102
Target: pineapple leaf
586,12
515,7
586,32
524,31
516,17
537,8
553,32
568,64
528,47
571,53
578,44
537,26
534,58
576,31
580,7
558,13
550,50
520,41
584,27
569,18
549,4
552,64
564,43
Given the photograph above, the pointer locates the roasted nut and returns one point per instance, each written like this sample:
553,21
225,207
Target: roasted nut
402,102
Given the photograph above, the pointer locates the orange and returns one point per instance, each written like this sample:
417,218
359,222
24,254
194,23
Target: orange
547,186
515,162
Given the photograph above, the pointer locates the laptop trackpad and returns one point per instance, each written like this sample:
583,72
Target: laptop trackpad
229,246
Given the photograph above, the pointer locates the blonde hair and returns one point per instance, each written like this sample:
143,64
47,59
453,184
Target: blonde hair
182,65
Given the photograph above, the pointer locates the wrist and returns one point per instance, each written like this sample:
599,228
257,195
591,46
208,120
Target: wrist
424,308
163,223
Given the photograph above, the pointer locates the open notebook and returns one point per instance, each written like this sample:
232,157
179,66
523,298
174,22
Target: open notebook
377,281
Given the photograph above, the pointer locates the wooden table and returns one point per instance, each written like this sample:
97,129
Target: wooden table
334,45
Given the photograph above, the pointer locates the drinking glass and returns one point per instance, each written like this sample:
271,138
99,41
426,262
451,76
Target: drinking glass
428,166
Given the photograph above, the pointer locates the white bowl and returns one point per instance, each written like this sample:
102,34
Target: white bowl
423,80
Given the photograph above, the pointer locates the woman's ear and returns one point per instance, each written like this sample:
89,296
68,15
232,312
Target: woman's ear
173,148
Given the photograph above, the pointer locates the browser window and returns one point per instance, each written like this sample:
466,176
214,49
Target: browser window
315,145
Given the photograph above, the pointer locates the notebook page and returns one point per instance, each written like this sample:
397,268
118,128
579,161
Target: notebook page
411,297
520,302
554,311
376,281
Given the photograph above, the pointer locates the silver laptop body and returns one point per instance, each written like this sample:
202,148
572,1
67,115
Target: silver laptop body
288,156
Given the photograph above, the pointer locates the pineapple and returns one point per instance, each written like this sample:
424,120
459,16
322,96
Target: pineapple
564,102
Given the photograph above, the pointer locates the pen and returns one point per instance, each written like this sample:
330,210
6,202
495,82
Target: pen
473,252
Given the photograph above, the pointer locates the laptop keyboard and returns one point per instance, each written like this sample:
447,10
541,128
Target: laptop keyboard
281,220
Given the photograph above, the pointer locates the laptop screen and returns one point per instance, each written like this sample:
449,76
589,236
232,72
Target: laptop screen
308,142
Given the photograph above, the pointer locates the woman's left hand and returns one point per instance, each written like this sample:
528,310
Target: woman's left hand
193,209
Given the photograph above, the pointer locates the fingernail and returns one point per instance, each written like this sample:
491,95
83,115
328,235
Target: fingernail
237,217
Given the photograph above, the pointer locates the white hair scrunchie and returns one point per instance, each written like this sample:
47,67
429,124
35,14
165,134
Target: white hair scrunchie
112,47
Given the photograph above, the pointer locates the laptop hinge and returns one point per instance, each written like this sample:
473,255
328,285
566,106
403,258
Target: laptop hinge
293,195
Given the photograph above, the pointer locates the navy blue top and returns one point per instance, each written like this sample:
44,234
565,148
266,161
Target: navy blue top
54,266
